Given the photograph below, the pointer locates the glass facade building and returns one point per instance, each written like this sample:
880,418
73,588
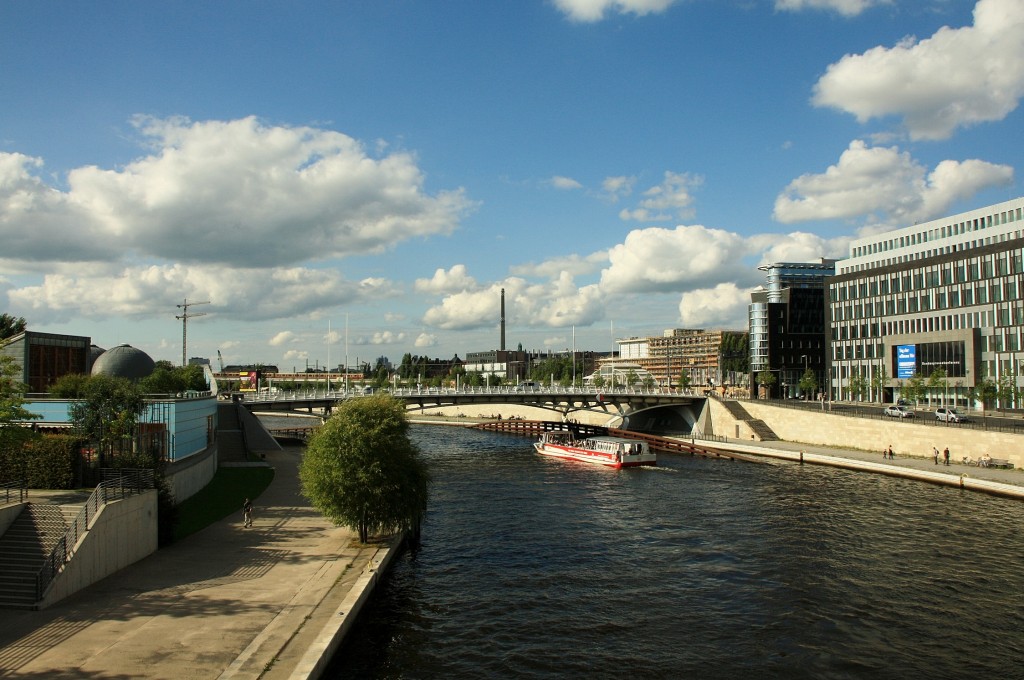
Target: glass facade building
941,298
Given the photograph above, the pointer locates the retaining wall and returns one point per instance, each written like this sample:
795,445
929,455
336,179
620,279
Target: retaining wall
906,437
124,532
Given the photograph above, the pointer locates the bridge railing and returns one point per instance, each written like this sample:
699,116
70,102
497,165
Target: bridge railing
322,394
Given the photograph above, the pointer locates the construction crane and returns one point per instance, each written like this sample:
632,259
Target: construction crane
185,316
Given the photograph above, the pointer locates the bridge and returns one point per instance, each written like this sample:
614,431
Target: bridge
654,410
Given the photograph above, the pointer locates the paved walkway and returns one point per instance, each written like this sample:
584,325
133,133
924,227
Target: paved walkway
230,602
919,467
226,602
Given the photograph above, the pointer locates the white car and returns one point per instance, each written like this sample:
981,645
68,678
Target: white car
949,415
899,412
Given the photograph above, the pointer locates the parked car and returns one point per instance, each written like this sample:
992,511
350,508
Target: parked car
949,415
899,412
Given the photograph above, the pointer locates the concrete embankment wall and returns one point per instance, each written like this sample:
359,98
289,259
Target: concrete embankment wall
316,659
474,412
124,532
868,434
189,476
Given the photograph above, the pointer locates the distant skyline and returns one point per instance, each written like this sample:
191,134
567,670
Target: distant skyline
362,179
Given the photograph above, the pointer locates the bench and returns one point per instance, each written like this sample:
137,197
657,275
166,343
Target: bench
996,463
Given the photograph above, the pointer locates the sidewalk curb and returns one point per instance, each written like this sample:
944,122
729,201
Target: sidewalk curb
316,659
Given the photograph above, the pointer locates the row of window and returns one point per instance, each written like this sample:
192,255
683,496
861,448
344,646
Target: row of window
939,232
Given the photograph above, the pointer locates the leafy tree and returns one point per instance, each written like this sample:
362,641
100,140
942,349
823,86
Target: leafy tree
1008,392
12,407
69,386
914,387
879,381
167,378
936,380
858,384
11,325
361,470
808,383
684,381
108,415
599,381
767,380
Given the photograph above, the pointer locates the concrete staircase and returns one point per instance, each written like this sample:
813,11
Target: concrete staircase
758,427
25,546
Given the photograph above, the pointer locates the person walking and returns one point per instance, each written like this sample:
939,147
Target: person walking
891,455
935,454
247,513
945,455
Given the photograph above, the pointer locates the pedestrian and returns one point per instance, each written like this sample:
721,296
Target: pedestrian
935,454
946,455
247,513
891,455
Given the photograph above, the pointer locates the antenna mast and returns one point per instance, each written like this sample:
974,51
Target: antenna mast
185,316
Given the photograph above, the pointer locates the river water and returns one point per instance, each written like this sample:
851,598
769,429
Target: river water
531,567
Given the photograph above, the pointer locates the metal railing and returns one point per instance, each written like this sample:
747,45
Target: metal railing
13,492
114,485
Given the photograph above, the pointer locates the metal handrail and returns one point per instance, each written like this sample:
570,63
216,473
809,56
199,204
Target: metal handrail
8,490
114,485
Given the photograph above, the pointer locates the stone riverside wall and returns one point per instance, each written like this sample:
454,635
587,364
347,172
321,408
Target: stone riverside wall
872,434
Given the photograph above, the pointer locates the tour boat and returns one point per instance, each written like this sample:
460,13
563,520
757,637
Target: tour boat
615,452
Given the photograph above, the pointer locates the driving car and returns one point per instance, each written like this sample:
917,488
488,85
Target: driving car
949,415
899,412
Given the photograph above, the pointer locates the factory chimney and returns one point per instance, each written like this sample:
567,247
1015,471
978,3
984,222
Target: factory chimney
502,348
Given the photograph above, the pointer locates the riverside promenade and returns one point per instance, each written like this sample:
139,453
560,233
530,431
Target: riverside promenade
270,601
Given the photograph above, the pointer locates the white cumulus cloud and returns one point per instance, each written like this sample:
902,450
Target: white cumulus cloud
724,306
849,8
887,183
455,279
594,10
669,200
235,192
956,78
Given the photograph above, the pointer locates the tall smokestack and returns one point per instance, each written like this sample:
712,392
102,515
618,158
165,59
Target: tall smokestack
502,348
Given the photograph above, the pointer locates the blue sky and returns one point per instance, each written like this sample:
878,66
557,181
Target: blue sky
361,179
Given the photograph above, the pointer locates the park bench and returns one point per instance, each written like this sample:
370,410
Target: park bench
1000,463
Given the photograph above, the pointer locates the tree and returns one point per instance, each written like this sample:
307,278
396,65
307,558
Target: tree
914,388
684,381
766,379
12,407
108,415
69,386
167,378
936,379
879,381
858,384
361,470
11,325
808,383
1006,390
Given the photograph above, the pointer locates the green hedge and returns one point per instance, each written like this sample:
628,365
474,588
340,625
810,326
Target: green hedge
45,462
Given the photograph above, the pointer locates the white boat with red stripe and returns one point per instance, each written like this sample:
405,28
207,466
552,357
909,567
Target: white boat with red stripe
614,452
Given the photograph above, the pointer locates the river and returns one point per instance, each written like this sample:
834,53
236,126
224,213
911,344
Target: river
532,567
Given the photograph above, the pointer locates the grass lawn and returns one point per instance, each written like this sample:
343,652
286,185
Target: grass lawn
221,497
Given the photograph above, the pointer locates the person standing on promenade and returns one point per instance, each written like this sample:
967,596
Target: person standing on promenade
935,454
889,453
247,513
945,454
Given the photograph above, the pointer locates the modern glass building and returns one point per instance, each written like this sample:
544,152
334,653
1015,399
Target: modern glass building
939,302
787,327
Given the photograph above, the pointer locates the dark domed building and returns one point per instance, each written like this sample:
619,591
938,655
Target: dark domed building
95,352
124,361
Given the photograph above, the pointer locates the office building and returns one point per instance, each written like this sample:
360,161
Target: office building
941,300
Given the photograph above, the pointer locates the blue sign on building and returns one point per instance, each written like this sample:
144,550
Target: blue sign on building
906,361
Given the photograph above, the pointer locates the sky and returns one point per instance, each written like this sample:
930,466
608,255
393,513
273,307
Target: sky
332,182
